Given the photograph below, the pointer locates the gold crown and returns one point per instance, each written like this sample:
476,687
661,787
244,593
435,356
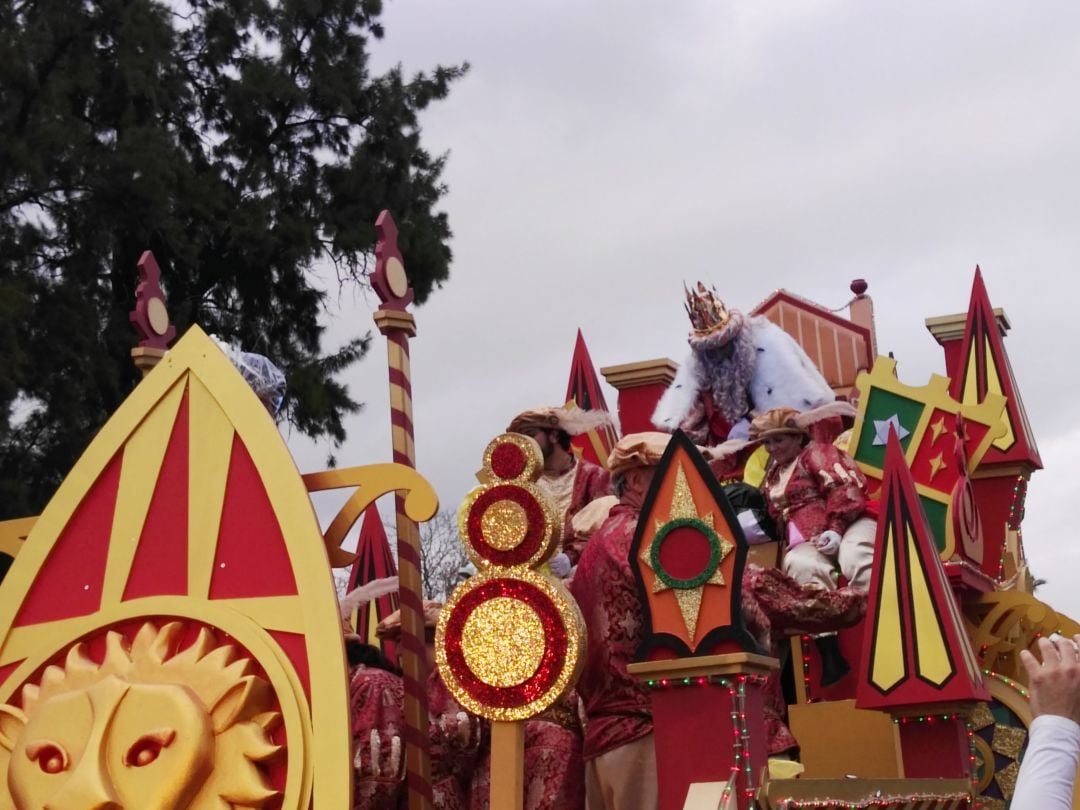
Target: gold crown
707,312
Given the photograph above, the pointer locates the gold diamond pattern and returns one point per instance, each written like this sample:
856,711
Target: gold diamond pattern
1008,741
1006,779
982,717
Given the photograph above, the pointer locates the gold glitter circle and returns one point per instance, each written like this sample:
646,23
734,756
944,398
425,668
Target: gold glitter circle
984,755
534,459
571,665
505,524
503,642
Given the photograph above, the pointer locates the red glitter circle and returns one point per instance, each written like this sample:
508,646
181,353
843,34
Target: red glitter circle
685,552
534,535
551,662
508,461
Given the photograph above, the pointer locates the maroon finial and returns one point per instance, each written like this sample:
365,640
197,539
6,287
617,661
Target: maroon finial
150,316
859,286
389,279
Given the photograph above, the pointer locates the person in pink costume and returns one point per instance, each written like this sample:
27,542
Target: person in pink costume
817,495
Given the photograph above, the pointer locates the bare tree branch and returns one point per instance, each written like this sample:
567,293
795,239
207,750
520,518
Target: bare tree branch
442,555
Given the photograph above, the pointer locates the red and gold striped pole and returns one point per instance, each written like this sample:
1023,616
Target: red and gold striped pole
392,286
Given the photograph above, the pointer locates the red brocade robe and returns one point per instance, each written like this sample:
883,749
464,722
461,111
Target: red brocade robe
826,490
457,741
775,606
706,424
617,707
590,482
554,770
375,709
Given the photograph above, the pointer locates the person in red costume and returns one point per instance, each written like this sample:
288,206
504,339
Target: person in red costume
620,759
620,764
375,700
457,737
817,495
570,482
554,772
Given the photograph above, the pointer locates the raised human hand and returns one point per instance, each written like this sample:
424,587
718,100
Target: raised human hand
1054,684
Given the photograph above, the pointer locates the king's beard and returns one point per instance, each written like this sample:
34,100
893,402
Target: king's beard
728,379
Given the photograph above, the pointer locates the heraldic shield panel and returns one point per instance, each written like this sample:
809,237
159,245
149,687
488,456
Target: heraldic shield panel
169,634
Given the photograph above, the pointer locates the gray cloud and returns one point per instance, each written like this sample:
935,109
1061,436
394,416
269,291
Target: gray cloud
603,152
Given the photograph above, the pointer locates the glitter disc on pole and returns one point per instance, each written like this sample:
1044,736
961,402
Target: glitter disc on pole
508,522
509,643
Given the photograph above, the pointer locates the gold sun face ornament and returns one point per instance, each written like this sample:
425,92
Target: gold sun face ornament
149,726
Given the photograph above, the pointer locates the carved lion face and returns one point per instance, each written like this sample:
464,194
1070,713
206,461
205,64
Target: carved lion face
147,729
115,745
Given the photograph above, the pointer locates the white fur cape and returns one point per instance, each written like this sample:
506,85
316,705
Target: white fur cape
783,377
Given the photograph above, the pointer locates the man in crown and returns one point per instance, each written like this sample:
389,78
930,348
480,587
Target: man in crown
736,365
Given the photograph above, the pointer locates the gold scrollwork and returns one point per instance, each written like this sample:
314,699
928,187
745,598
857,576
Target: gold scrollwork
1002,623
372,481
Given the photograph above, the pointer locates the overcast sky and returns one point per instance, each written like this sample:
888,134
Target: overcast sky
602,152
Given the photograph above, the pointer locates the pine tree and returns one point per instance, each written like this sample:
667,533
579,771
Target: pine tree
244,142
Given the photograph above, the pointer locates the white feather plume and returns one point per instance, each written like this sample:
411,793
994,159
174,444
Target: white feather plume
366,593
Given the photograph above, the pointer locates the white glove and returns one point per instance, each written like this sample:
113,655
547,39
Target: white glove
828,542
376,765
751,529
560,566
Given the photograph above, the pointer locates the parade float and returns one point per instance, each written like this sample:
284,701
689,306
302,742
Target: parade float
170,634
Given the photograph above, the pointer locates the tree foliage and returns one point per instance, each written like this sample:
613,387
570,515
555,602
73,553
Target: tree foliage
243,141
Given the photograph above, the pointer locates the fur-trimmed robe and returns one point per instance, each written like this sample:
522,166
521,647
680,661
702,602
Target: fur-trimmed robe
783,376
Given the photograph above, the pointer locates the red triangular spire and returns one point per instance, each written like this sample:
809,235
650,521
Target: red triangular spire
984,368
584,389
373,561
915,651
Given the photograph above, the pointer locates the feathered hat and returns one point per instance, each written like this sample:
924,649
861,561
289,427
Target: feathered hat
571,419
777,421
390,627
359,597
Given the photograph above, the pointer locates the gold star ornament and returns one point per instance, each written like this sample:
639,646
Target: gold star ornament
686,552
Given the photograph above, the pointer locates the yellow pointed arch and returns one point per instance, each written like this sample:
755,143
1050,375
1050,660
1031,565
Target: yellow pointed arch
221,406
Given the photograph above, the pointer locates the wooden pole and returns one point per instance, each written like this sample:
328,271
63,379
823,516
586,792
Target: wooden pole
507,765
392,286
